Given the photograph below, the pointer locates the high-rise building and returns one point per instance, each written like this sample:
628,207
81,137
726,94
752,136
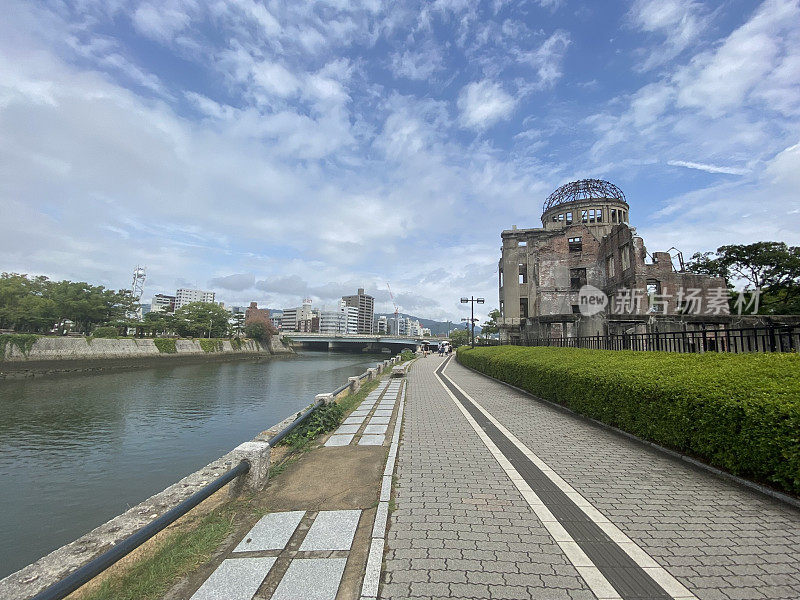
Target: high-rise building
342,319
185,296
366,310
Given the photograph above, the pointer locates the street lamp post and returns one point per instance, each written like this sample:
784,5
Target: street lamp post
472,300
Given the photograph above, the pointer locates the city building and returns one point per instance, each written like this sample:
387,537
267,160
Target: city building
425,332
291,317
366,310
253,314
342,319
382,325
186,296
162,303
587,249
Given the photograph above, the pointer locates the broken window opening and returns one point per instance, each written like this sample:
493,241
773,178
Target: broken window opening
523,308
614,215
576,310
575,244
610,266
577,278
584,216
523,273
599,215
591,215
625,256
561,217
569,218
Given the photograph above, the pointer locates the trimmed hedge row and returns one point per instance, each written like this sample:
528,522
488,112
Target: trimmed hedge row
739,412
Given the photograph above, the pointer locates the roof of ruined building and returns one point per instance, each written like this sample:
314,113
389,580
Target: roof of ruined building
585,189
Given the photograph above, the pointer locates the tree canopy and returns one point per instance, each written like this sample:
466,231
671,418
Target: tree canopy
459,337
772,267
201,319
37,305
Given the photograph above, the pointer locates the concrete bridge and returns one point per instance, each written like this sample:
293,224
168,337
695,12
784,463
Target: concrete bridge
354,342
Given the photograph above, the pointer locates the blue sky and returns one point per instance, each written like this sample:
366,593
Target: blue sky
271,151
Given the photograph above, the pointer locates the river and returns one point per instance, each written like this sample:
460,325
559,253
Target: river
76,450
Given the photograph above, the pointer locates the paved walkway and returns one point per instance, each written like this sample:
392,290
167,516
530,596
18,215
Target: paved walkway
501,496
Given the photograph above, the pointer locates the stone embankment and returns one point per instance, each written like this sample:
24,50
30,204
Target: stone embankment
50,355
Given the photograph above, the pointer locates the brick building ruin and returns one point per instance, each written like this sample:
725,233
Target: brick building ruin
587,248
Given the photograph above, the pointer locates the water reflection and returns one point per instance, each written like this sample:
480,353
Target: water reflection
77,450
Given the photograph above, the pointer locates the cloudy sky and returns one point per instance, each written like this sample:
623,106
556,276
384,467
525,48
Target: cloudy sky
274,150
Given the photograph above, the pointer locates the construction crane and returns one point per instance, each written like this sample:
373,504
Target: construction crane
396,311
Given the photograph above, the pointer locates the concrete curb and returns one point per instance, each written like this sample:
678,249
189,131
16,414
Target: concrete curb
751,485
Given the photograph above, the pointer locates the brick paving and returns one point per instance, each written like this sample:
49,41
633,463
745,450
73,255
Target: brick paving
461,529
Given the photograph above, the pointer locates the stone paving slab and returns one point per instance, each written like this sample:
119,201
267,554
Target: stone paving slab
311,579
347,429
383,413
371,440
379,420
720,540
375,429
235,579
332,530
353,421
340,440
272,532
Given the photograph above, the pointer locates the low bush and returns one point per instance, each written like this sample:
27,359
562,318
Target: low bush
106,332
406,355
325,418
165,345
739,412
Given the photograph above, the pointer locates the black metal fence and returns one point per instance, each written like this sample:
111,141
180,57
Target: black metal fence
754,339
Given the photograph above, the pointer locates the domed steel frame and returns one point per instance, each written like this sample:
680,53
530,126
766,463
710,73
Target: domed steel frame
585,189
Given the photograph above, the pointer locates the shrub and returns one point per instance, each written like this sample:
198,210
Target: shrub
739,412
165,345
325,418
211,345
106,332
407,355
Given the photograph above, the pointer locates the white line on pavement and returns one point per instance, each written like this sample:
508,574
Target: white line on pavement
590,573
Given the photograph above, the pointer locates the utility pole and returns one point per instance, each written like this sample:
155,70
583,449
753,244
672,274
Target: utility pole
472,300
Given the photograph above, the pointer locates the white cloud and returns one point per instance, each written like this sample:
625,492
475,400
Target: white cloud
162,22
708,168
417,64
548,58
680,22
484,103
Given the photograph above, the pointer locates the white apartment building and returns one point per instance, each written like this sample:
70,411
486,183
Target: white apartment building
342,319
162,303
382,326
185,296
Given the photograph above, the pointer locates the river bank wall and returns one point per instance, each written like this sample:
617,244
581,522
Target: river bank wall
53,355
53,567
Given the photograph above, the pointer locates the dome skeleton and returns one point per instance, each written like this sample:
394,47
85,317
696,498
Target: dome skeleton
585,189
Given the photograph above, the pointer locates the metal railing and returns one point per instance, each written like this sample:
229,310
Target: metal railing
753,339
99,564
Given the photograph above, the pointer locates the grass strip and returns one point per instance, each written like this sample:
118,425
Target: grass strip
177,555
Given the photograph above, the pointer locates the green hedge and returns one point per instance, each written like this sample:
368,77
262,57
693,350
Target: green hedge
739,412
106,332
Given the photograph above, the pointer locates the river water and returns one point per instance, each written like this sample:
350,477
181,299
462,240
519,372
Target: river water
77,450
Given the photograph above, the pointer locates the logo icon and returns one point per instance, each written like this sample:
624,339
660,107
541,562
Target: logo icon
591,300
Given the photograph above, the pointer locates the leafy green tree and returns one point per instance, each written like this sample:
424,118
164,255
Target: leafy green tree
773,267
201,319
258,331
459,337
490,326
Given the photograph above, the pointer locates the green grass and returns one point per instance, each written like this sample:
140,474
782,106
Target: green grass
178,555
739,412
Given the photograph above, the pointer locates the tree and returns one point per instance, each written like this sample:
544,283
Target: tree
490,326
459,337
201,319
772,267
258,331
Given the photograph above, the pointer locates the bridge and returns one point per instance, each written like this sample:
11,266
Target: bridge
355,342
